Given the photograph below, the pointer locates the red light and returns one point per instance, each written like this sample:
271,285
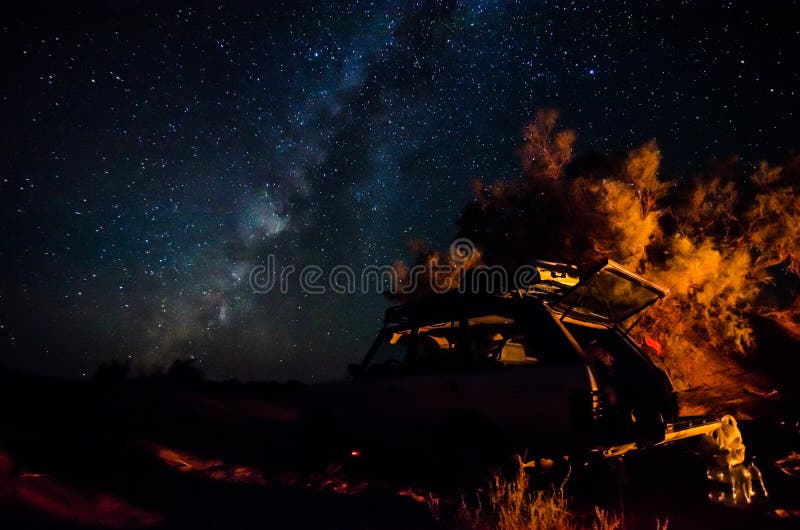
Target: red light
355,453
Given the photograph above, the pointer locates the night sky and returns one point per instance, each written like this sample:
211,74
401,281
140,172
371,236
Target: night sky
154,153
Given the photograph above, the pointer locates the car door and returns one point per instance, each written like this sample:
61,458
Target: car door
375,408
524,380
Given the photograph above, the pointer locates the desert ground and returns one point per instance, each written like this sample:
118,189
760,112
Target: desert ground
159,454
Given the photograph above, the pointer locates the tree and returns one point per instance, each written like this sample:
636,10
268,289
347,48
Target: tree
546,150
720,241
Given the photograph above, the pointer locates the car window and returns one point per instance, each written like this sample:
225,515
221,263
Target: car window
524,340
612,294
390,353
607,346
438,347
549,342
497,338
476,342
430,347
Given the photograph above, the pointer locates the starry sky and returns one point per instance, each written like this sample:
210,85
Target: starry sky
154,152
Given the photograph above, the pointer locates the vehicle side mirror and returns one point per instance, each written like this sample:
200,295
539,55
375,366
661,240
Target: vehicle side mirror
355,370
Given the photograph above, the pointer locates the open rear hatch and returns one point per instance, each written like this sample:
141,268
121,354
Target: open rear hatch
609,295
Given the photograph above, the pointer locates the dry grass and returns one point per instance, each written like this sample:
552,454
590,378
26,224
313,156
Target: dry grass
511,504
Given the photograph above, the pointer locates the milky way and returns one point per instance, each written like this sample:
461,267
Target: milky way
154,154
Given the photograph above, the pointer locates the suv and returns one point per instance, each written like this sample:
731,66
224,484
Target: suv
549,370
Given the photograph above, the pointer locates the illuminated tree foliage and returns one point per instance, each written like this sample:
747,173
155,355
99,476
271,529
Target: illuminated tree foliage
725,242
546,151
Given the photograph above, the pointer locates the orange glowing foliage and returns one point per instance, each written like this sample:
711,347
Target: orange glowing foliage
546,151
718,241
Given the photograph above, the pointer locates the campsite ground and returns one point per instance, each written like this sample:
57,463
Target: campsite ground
213,455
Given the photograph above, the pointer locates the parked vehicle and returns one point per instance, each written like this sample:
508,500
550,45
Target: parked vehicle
550,370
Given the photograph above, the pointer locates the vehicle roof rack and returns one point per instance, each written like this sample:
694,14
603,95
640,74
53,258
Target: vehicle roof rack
454,305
